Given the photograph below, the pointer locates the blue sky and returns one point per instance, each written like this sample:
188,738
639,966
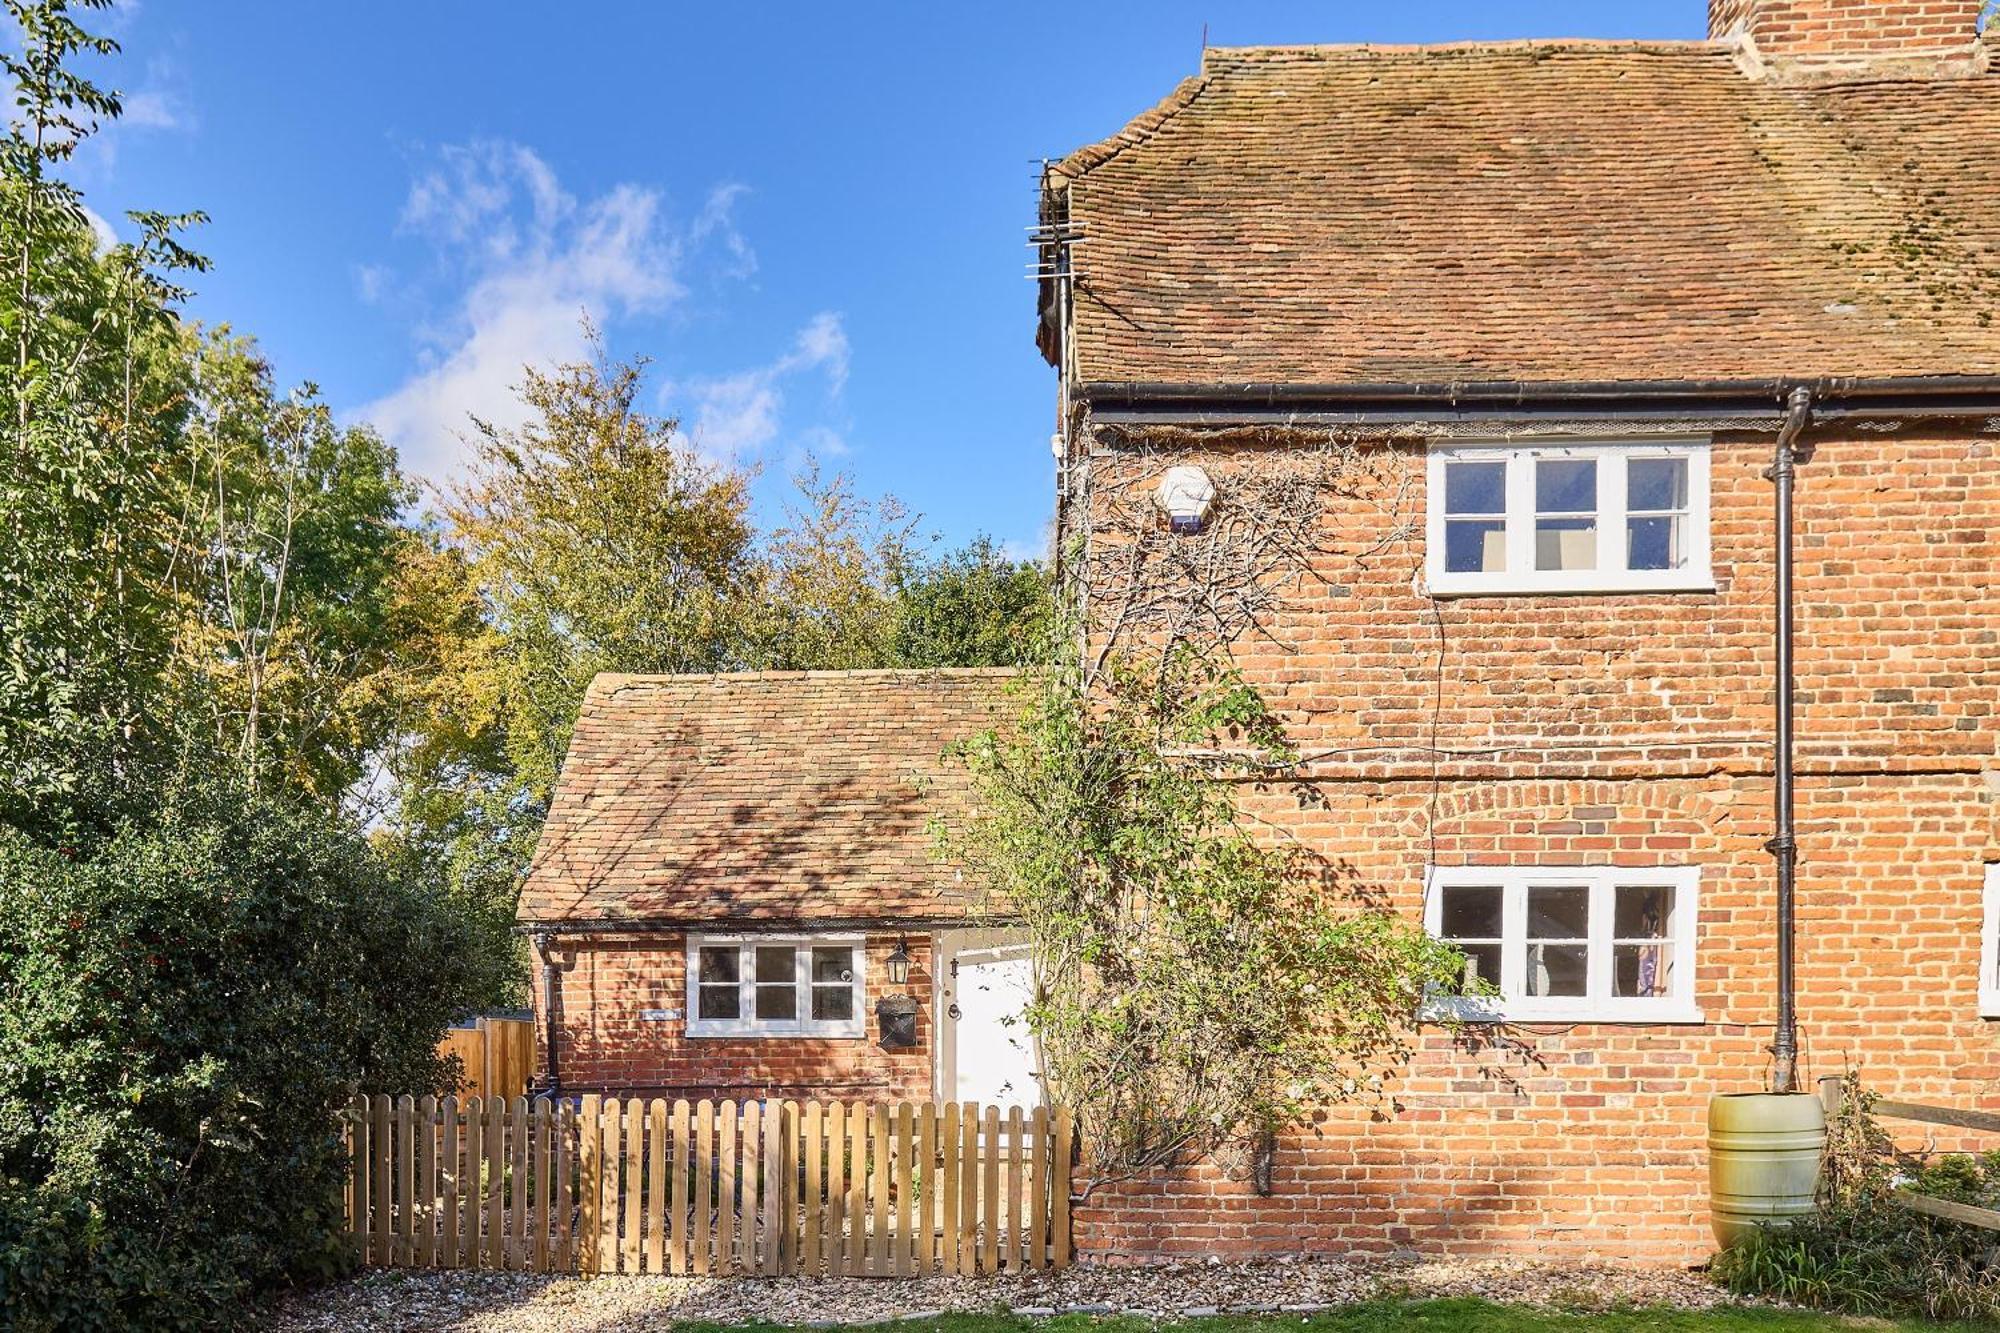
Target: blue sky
811,217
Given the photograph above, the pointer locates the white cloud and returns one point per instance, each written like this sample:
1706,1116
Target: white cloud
162,104
736,416
533,261
371,282
717,220
106,234
152,109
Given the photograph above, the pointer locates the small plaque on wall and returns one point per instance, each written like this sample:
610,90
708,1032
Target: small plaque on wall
659,1015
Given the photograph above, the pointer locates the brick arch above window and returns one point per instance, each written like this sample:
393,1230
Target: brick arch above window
1583,822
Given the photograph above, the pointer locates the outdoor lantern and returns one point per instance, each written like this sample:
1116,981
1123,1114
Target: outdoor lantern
899,964
1186,494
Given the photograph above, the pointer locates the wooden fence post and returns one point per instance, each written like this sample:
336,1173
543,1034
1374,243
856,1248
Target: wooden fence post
357,1175
1059,1188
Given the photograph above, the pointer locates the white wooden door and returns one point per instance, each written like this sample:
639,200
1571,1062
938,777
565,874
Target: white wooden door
985,988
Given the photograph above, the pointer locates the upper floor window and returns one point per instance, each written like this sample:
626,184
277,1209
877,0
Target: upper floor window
762,987
1569,943
1606,517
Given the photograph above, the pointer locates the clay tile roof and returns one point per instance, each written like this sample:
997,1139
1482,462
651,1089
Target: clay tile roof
1536,211
780,796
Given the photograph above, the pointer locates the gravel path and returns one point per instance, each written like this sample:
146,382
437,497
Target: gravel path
423,1302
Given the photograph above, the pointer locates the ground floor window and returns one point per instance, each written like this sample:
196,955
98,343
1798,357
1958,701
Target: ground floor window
1569,943
761,986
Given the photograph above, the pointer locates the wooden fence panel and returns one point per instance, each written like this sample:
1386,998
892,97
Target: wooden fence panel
615,1185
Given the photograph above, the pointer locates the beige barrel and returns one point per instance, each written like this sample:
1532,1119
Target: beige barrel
1764,1152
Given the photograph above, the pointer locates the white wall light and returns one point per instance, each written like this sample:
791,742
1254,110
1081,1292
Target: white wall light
1186,494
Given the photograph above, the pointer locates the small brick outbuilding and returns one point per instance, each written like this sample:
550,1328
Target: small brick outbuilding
730,866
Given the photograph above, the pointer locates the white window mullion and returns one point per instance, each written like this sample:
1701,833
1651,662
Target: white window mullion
1597,966
1989,946
1513,938
1520,516
1611,495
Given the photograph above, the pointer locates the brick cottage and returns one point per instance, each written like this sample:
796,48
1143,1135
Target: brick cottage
1528,317
735,871
1509,335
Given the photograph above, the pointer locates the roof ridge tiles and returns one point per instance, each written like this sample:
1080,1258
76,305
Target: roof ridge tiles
617,680
1305,51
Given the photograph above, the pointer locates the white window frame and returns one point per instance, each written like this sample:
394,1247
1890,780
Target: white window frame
1610,575
747,1024
1598,1005
1989,947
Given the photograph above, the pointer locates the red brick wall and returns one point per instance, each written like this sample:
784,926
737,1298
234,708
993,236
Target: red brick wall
1786,29
1630,730
605,1046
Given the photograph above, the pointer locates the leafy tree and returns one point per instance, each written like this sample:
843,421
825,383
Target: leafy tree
92,395
828,579
971,607
1198,987
598,541
288,552
180,1013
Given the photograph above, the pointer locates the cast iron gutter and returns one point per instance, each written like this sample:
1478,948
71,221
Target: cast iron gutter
1834,397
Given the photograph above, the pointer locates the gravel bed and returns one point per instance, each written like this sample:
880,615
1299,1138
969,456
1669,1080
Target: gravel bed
420,1302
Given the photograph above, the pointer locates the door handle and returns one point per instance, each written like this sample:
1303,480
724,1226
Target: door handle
951,1012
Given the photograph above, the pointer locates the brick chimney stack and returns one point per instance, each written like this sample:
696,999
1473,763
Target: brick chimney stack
1831,39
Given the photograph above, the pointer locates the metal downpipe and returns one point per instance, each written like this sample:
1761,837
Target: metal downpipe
1783,845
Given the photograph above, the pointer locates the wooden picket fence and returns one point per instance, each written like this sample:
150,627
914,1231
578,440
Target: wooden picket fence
772,1188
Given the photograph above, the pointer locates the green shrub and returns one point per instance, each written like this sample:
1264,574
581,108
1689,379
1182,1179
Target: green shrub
1862,1253
182,1012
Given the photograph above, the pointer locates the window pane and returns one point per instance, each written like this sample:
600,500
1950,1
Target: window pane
1656,483
1566,486
778,1002
1654,543
833,1002
718,964
1566,543
1482,963
1557,969
1470,913
776,963
1475,488
1476,546
1641,969
719,1002
832,965
1642,912
1558,913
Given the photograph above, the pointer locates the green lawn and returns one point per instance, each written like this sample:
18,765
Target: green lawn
1436,1316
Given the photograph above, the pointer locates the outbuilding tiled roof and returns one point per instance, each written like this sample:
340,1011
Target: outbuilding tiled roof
774,796
1536,211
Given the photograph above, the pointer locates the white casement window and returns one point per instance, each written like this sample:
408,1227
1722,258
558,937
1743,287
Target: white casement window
1569,943
1989,948
1602,517
759,986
